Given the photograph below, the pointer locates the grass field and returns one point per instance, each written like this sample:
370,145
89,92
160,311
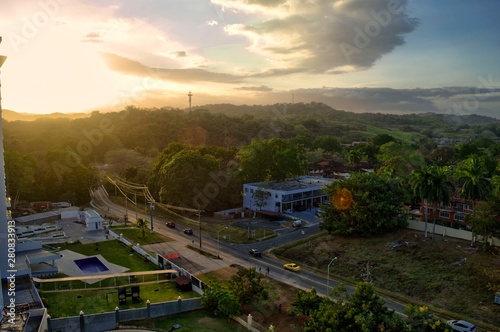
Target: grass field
69,303
194,321
114,252
423,272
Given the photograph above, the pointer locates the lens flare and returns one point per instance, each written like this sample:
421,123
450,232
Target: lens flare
342,199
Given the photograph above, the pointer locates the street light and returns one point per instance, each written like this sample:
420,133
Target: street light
328,276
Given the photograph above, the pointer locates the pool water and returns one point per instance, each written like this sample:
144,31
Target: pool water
91,265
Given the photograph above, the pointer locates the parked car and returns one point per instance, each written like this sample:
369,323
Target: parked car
170,224
461,326
297,223
255,252
188,231
289,211
318,213
292,267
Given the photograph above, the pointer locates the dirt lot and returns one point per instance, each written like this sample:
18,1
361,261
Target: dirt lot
443,273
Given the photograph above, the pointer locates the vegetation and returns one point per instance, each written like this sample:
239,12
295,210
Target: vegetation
364,204
404,263
69,303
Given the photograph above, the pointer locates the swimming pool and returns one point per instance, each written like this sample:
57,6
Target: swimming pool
90,265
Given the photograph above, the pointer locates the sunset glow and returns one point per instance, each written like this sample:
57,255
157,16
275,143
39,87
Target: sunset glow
378,56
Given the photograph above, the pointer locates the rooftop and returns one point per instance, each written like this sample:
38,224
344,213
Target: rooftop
299,183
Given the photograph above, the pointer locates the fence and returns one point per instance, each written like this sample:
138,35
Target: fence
160,261
448,231
111,320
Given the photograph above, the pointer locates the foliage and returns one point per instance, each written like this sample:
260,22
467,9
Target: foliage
484,220
420,319
471,174
260,197
246,284
376,206
142,224
273,159
20,175
363,311
220,300
306,302
432,184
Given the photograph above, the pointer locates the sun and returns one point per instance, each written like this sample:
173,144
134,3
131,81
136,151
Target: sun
55,72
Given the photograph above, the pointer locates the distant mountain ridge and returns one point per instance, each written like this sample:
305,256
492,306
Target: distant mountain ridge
9,115
270,109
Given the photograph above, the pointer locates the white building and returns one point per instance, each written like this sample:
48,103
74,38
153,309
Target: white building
305,191
93,220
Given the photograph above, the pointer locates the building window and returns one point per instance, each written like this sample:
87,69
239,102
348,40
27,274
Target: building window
444,214
276,196
459,217
246,190
251,191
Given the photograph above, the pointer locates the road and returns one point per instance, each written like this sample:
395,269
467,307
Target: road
238,253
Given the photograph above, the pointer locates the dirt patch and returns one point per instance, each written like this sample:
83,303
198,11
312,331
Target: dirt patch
440,272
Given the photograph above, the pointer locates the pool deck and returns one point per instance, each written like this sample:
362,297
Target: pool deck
68,266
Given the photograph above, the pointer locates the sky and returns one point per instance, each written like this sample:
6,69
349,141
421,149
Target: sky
385,56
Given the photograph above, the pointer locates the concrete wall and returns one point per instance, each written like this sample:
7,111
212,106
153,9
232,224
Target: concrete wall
448,231
110,320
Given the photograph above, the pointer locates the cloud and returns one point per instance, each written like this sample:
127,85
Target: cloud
179,54
132,67
322,36
212,23
93,37
261,88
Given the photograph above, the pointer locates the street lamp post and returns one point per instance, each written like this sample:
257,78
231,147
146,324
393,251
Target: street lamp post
328,275
199,223
151,209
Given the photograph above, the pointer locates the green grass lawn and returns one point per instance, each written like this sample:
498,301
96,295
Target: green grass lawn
114,252
69,303
193,321
133,234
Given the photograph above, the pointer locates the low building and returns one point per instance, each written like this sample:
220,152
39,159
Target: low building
92,219
280,196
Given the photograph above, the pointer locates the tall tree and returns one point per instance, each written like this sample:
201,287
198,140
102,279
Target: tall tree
273,159
471,174
432,184
365,204
246,285
363,311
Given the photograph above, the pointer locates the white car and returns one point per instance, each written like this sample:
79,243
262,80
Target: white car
461,326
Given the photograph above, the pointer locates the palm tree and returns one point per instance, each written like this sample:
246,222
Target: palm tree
419,180
431,184
471,174
440,188
143,225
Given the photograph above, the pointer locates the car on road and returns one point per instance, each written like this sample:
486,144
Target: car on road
292,267
188,231
170,224
461,326
255,252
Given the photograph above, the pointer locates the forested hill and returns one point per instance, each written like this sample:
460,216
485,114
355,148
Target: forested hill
149,131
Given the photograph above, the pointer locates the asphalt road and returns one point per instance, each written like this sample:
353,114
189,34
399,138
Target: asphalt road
238,253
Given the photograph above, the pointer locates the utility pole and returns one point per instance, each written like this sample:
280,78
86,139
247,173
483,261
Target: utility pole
190,95
199,223
151,209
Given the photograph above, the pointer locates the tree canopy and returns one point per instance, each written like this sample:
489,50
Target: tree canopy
374,206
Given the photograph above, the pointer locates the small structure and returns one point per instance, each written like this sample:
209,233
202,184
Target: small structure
134,293
92,219
183,283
